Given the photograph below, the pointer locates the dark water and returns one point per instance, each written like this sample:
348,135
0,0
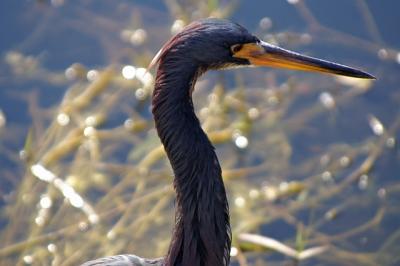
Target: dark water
55,36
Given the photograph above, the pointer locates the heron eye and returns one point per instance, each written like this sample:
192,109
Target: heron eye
236,48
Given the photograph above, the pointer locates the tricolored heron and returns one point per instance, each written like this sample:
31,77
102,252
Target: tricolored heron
202,234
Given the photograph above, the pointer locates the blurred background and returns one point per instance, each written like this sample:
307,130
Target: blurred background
310,162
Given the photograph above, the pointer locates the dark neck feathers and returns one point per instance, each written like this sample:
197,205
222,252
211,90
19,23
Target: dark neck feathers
202,235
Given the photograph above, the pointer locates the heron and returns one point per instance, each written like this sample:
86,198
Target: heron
202,233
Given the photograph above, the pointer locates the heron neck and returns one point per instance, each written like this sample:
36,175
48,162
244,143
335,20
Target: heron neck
202,231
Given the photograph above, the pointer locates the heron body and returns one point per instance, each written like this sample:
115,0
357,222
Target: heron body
125,260
202,234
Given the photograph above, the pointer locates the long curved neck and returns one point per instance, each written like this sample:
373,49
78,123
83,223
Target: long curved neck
202,235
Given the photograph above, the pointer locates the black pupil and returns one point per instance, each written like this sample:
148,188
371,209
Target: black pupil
237,48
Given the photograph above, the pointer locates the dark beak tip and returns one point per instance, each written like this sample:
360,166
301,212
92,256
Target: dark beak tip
367,76
355,73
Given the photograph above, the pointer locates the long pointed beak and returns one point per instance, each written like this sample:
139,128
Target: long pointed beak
264,54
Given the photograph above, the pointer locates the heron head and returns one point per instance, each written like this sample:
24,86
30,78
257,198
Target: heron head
216,43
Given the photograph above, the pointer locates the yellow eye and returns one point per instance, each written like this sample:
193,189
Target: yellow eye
236,48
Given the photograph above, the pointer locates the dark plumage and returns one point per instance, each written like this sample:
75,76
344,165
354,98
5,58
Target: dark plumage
202,234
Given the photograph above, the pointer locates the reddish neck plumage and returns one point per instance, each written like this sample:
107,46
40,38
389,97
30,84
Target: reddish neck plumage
202,232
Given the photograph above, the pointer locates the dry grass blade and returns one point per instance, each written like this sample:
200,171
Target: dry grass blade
278,246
